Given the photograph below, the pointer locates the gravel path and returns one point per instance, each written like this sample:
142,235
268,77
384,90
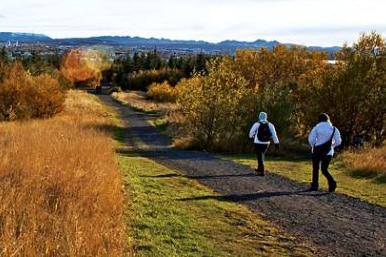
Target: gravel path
337,225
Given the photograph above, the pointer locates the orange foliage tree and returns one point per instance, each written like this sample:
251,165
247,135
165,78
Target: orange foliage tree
80,66
23,96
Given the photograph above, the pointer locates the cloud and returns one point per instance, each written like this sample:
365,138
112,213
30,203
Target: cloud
296,21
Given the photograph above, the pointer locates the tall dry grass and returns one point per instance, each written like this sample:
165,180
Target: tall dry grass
60,188
372,161
138,100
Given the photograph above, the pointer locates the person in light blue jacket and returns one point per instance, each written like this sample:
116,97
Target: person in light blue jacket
261,145
323,138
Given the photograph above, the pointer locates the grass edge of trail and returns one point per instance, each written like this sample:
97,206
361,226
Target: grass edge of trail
172,215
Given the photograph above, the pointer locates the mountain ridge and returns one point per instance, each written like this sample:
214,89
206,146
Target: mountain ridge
230,45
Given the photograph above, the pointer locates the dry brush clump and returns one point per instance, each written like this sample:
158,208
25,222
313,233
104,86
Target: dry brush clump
140,101
60,190
23,96
372,160
162,92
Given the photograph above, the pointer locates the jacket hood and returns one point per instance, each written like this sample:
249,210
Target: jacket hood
263,116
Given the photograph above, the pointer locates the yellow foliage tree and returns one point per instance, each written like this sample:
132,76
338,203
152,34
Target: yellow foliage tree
162,92
354,91
213,106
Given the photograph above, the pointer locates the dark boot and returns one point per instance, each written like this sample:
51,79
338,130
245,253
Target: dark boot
259,172
332,186
314,187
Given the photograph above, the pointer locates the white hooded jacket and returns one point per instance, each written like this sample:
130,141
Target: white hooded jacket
255,128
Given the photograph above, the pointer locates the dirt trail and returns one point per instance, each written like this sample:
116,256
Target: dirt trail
337,225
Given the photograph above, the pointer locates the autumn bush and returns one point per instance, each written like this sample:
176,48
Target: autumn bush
141,80
23,96
84,66
214,107
162,92
60,188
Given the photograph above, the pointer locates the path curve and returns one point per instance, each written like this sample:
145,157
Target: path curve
338,225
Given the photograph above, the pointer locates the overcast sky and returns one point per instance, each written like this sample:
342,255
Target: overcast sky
306,22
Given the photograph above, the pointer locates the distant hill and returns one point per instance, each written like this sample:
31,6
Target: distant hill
23,37
228,46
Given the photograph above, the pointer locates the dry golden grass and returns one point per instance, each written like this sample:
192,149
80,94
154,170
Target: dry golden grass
138,100
368,160
60,187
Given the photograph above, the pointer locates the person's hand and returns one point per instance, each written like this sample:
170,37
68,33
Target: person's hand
276,146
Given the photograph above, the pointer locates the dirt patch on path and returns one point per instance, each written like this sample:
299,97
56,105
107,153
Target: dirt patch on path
337,225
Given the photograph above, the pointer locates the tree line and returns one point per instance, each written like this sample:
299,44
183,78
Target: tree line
293,86
77,68
139,70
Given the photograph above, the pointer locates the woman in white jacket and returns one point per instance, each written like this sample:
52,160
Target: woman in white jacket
324,137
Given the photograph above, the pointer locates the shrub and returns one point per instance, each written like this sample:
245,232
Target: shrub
213,107
141,80
23,96
115,89
162,92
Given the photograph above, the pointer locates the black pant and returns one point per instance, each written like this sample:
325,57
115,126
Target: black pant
324,160
261,150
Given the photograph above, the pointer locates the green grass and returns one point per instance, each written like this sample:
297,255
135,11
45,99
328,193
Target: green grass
171,215
356,184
